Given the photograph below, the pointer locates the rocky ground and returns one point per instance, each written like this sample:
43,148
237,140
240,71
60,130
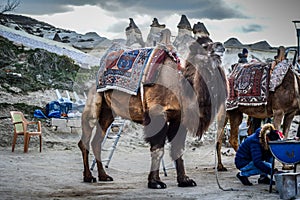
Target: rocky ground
56,172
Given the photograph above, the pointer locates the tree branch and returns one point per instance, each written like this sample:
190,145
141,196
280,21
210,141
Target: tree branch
9,6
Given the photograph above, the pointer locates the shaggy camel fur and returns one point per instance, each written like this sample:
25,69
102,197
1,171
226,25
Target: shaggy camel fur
179,101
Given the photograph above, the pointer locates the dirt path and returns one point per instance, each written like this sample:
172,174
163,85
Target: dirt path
56,173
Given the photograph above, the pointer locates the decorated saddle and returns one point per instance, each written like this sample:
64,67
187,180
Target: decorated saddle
250,83
278,74
125,69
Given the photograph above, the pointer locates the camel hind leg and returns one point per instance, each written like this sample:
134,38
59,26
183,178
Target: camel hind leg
88,122
84,145
102,126
235,119
222,120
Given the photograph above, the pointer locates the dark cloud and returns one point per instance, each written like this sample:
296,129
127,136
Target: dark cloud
118,27
38,7
210,9
252,28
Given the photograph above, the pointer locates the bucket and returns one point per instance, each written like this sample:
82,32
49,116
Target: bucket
288,185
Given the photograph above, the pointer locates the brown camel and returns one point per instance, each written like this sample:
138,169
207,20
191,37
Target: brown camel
179,101
282,103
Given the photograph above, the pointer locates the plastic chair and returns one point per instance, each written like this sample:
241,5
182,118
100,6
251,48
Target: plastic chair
21,128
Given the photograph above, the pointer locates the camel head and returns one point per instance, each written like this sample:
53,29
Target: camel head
217,48
205,75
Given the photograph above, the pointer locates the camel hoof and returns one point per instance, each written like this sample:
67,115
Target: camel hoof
222,169
287,167
156,185
106,178
187,183
89,179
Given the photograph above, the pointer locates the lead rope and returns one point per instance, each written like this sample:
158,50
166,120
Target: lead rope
216,168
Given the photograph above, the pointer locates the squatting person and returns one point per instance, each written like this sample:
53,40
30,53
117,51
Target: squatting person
254,157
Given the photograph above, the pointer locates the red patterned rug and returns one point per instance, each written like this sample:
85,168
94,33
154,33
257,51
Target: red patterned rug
249,85
124,69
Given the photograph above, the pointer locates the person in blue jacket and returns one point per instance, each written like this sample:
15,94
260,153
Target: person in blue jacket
254,157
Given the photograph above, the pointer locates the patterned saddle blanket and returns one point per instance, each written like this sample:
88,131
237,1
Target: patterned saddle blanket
125,69
278,74
250,83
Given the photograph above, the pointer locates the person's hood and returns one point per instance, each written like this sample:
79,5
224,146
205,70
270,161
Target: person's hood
268,133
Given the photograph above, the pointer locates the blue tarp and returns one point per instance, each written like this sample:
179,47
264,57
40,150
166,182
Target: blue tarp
39,114
54,109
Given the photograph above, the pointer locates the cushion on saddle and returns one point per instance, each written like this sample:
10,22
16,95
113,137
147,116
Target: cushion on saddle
278,74
125,69
249,85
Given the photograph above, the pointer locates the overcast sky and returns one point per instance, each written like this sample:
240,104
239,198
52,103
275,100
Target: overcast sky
248,20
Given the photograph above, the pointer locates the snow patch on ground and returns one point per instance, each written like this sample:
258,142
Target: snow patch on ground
83,59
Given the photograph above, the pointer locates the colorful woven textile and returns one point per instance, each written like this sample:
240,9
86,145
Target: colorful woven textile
153,67
278,74
124,69
249,85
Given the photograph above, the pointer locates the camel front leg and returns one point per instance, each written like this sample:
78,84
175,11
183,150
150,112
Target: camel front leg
222,120
177,147
154,181
155,133
182,179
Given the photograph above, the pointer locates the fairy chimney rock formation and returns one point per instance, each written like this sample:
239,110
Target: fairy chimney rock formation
184,37
165,37
184,26
154,35
155,23
134,35
200,30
